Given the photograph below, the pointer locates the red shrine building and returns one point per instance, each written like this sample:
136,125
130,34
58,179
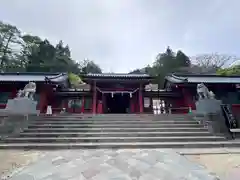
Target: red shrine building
119,93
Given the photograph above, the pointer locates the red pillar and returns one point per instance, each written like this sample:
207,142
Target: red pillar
94,98
132,105
100,108
13,94
188,97
42,101
83,103
140,99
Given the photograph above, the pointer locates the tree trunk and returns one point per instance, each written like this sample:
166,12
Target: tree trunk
5,51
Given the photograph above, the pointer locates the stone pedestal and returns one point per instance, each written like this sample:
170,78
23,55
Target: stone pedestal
21,105
206,106
15,117
209,113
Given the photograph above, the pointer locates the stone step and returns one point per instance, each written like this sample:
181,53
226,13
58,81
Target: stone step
113,134
111,122
52,146
105,129
111,139
126,126
114,118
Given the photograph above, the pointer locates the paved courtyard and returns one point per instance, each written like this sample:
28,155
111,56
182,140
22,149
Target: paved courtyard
133,164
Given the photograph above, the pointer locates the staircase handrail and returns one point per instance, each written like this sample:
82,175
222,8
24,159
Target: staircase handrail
231,121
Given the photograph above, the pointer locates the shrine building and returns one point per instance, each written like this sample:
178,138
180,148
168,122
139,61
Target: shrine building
119,93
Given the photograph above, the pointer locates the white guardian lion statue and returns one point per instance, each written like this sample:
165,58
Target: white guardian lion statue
204,93
28,91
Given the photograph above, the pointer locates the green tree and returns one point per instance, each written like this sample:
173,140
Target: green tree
89,66
9,37
168,62
235,70
182,60
32,54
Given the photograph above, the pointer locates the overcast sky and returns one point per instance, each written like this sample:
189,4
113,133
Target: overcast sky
121,35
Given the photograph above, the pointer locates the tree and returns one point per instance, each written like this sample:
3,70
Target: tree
74,79
32,54
214,60
167,62
138,71
42,59
29,51
88,66
9,37
235,70
182,60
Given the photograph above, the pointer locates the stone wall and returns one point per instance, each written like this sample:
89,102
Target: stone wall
11,125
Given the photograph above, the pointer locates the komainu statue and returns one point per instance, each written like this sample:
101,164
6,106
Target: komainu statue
20,93
28,91
204,93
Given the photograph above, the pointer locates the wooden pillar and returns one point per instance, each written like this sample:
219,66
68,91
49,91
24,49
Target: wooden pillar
132,103
140,99
151,104
188,98
94,98
103,103
13,93
43,101
83,103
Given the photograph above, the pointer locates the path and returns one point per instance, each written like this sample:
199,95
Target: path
114,164
226,166
15,159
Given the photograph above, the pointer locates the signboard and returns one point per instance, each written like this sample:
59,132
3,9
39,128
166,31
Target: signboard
146,102
76,103
151,87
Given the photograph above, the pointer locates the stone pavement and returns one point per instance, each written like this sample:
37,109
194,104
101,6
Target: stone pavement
145,164
226,166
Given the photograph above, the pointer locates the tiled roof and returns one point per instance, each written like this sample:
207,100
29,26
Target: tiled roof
36,77
180,78
116,75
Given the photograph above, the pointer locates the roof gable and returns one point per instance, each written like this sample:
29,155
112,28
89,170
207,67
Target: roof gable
199,78
36,77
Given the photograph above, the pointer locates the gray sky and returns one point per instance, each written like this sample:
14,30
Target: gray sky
121,35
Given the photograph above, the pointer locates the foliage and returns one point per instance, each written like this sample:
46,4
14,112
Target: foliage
167,62
88,66
138,71
235,70
28,53
74,79
214,60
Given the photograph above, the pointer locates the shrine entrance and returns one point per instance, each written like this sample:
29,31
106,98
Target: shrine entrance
117,103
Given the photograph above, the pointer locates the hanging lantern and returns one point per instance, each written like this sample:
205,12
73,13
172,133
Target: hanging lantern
112,94
130,95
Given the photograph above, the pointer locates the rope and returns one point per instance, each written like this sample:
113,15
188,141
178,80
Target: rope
130,92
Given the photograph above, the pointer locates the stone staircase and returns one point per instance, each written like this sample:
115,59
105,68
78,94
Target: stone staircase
115,131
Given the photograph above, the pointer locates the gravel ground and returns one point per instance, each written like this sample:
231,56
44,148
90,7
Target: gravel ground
16,159
226,166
